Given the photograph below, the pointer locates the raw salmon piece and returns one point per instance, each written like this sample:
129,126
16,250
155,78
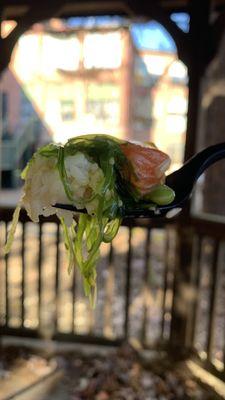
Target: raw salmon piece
148,166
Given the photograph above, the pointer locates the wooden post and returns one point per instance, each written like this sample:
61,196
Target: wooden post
182,288
1,116
198,58
182,302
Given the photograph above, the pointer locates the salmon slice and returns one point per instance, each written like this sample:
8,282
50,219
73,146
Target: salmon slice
148,166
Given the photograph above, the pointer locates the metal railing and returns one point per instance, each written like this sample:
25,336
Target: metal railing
160,283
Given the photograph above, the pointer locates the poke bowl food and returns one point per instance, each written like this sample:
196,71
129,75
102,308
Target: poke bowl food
101,175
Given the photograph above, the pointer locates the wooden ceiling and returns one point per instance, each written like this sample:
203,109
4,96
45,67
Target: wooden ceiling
17,9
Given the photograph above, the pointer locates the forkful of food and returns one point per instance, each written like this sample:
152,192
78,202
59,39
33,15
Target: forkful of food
157,195
102,180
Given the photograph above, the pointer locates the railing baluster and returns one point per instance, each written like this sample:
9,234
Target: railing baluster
2,278
146,287
108,330
57,264
165,283
128,285
73,277
91,320
181,281
73,324
6,283
223,289
196,274
39,275
23,274
212,303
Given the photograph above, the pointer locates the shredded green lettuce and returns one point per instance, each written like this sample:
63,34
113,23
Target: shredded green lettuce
12,231
105,196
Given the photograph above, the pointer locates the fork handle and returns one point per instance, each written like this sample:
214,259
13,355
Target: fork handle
183,180
201,161
196,165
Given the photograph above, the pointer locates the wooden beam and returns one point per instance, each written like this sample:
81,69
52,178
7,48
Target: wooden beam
34,15
153,10
181,288
217,30
92,7
198,59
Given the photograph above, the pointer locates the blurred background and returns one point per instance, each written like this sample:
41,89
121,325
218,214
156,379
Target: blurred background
160,283
92,75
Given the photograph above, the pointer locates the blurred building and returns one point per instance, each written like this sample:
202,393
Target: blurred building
85,80
79,79
20,132
169,98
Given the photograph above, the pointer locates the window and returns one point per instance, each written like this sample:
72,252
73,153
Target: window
177,104
26,107
67,110
178,72
60,53
103,102
175,124
103,50
4,106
